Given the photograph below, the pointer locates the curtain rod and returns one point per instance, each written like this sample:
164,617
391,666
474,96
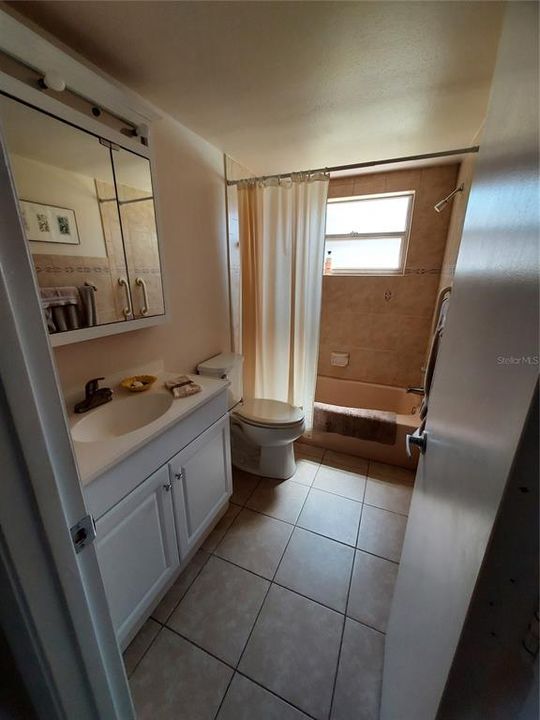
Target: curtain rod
371,163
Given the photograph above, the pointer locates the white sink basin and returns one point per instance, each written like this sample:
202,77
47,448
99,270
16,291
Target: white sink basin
120,417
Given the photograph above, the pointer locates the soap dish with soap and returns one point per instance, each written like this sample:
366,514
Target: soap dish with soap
138,383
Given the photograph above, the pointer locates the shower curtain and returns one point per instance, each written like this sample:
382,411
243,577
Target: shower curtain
281,228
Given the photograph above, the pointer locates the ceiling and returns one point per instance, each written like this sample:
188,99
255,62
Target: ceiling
283,86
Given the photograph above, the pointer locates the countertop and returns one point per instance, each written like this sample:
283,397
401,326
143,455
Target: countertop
95,458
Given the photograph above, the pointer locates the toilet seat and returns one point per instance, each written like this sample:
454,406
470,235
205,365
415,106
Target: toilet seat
261,412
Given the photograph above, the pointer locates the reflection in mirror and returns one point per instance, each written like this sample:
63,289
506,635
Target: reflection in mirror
137,217
65,184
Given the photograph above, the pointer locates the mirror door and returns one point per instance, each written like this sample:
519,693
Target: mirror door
138,221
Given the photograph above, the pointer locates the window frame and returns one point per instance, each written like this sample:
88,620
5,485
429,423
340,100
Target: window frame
404,235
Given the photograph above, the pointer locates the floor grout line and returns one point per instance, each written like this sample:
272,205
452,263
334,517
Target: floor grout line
260,610
307,597
200,647
253,626
273,516
224,695
378,507
164,623
331,492
268,590
362,510
241,567
348,591
327,536
201,568
275,694
290,536
139,661
235,670
347,602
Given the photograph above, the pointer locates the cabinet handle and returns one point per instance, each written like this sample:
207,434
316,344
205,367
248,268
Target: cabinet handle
178,475
128,310
140,282
167,487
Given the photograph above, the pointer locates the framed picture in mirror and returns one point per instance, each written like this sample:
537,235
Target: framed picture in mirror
49,223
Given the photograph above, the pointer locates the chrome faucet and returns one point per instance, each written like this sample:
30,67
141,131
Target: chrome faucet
416,390
94,396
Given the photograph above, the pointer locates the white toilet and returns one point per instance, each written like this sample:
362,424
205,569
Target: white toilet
262,431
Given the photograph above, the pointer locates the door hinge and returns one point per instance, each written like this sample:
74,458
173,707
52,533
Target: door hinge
83,533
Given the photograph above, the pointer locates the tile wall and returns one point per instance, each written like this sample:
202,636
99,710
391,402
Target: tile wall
384,322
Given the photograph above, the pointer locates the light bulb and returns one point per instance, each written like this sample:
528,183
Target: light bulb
54,81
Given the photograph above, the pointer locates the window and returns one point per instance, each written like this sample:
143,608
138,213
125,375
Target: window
368,235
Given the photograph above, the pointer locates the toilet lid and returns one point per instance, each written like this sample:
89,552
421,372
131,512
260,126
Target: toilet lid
269,412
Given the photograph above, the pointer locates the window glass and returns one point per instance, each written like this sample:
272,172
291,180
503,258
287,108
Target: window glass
365,253
367,234
377,215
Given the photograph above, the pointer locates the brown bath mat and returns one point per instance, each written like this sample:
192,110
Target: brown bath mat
374,425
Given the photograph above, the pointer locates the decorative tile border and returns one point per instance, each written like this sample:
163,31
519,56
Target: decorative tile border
69,269
147,271
422,271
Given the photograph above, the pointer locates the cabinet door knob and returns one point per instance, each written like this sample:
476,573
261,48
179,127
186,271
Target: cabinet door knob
178,475
167,487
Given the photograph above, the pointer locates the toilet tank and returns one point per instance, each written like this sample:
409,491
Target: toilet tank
226,366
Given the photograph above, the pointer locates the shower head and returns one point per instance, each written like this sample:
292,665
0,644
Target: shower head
439,207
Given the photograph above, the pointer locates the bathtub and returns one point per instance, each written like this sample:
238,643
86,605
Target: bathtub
353,393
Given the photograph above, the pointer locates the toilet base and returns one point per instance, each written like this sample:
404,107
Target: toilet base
275,461
281,468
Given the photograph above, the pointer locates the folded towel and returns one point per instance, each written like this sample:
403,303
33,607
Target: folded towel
61,306
88,302
374,425
56,296
182,386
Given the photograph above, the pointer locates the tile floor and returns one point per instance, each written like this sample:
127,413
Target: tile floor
281,615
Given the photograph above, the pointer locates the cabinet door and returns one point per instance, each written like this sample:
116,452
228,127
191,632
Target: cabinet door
137,551
202,483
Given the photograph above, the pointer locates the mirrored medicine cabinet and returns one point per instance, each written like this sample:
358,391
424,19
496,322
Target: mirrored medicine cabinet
88,215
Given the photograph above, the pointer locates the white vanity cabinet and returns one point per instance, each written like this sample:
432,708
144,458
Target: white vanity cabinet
137,550
202,482
156,504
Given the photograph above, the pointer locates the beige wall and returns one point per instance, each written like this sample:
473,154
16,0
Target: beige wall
384,321
191,207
